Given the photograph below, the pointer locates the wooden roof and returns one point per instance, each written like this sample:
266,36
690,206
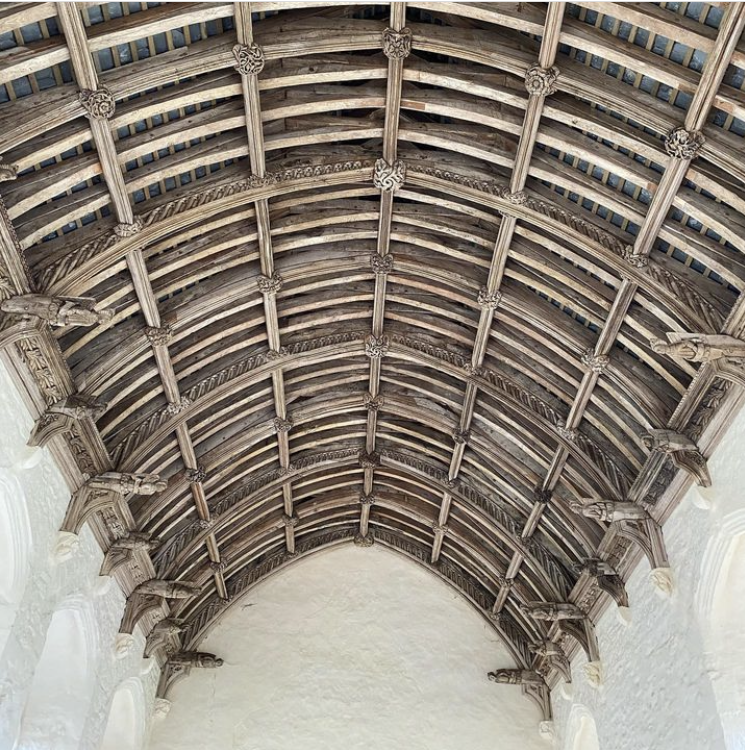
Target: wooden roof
384,272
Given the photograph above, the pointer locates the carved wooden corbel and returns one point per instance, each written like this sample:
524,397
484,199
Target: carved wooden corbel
607,579
163,635
107,491
61,417
552,611
633,522
533,685
150,596
683,452
516,677
125,550
608,510
180,664
553,657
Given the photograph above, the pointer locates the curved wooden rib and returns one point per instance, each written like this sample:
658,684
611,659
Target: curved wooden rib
513,278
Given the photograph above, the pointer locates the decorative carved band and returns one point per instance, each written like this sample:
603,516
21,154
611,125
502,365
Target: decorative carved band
80,256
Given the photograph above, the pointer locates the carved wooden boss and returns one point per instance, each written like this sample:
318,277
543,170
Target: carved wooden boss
397,275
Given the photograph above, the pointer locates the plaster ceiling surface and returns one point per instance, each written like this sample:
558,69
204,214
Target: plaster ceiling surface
280,276
352,650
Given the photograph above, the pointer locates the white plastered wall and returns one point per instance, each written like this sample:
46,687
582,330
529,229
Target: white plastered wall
29,479
352,649
671,675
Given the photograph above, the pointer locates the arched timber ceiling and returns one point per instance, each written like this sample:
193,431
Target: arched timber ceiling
410,253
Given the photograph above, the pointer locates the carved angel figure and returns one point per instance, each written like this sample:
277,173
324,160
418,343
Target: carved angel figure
609,510
57,311
701,347
127,484
552,611
196,659
516,677
168,589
